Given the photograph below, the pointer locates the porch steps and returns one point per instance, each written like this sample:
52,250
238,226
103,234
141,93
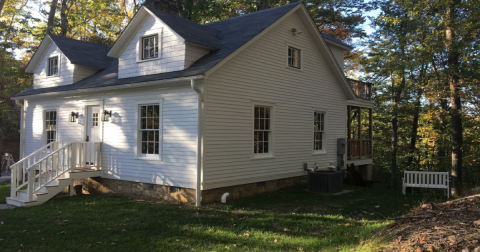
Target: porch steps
52,188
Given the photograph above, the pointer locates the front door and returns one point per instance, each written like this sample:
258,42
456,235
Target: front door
93,132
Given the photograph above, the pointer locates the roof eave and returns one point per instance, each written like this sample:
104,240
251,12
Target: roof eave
37,56
342,46
110,88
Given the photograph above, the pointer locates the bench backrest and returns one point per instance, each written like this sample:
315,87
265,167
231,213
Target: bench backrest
426,178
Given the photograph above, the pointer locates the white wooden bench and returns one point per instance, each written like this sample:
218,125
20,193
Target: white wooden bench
423,179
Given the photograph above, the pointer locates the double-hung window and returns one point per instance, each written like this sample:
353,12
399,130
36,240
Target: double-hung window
262,130
150,47
294,59
52,66
149,130
318,131
50,126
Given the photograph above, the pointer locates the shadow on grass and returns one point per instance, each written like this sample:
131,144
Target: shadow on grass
286,220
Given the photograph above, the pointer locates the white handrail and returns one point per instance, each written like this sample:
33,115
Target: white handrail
61,158
51,154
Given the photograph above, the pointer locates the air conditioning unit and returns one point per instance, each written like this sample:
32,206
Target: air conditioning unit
325,181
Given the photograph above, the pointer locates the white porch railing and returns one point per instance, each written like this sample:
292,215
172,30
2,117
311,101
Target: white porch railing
52,161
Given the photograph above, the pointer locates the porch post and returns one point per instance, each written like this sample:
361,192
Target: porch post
349,130
370,125
359,132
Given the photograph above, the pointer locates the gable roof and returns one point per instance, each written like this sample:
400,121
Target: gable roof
83,53
78,52
339,42
189,30
236,32
186,29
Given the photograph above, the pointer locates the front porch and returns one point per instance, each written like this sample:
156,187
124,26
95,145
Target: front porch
41,175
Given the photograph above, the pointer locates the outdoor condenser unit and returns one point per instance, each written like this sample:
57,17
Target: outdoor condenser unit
329,181
325,182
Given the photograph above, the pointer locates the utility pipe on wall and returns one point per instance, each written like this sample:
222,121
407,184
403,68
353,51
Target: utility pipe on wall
198,193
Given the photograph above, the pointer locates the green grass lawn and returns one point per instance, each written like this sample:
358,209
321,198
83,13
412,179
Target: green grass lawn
287,220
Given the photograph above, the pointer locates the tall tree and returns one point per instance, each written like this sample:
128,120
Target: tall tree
63,18
51,16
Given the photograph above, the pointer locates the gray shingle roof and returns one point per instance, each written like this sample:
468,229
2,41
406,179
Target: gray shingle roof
235,32
325,36
190,31
83,53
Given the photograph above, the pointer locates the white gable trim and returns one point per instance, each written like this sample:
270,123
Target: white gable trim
321,45
38,55
132,28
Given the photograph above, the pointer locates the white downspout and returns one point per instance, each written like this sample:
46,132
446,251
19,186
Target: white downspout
198,193
22,128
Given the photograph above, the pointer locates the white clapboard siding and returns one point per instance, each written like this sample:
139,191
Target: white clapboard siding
171,51
338,53
65,70
259,75
193,53
82,72
178,167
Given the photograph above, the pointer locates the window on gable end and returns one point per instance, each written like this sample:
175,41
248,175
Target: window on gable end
52,66
150,47
294,57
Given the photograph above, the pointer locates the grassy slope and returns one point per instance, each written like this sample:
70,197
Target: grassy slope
287,220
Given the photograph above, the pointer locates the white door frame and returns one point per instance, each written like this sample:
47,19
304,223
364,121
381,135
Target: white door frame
85,115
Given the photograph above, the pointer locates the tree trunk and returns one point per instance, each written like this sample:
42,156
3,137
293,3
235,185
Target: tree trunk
413,137
455,99
51,16
181,13
2,3
64,19
397,93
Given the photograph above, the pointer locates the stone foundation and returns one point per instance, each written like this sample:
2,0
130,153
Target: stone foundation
136,189
184,195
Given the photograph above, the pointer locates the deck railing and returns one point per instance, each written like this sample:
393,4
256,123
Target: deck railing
51,161
359,148
362,89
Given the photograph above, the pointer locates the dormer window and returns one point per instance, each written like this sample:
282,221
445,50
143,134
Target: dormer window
150,47
53,66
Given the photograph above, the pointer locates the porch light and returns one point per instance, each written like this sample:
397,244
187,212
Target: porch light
106,115
73,116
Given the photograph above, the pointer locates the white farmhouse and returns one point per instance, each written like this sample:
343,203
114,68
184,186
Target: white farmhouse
183,111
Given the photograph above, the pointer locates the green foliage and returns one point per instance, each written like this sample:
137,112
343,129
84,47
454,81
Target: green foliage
410,43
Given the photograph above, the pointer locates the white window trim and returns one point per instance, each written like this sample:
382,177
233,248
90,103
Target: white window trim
138,154
325,130
139,50
44,130
47,68
271,148
301,57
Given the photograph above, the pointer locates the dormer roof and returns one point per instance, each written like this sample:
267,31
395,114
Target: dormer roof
187,30
78,52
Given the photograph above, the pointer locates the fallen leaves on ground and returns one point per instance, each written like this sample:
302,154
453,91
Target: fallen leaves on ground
450,226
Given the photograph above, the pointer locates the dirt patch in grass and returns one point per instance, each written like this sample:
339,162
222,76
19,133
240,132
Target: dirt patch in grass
449,226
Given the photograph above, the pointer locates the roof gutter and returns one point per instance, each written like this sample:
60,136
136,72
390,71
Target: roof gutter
110,88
